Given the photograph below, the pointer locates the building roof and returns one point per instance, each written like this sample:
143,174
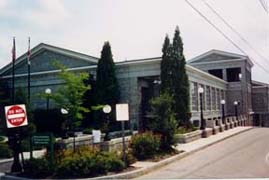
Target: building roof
217,56
42,46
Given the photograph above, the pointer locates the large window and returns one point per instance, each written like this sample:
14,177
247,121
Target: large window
213,99
194,96
233,74
204,99
218,99
208,98
216,72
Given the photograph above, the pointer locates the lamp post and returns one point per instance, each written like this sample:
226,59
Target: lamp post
242,94
107,110
203,123
222,102
235,108
48,93
64,112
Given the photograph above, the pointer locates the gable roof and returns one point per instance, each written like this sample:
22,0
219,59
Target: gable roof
218,55
42,46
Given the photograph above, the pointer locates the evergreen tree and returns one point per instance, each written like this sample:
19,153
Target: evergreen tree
181,95
174,79
166,81
107,90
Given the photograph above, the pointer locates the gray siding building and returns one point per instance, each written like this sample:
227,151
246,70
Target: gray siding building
223,75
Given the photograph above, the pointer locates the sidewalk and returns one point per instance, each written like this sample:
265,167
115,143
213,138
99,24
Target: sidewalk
26,155
199,144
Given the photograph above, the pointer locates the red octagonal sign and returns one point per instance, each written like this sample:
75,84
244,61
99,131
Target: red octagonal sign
16,116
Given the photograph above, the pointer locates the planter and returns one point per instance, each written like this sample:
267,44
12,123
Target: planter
188,137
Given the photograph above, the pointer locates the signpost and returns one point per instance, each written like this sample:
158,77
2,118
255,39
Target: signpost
122,114
16,116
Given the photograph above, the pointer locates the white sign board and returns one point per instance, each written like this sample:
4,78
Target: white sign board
96,136
122,112
16,116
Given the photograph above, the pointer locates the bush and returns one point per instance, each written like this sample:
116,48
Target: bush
5,151
38,168
87,162
145,145
163,121
183,130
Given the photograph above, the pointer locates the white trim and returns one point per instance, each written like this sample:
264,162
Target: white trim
50,72
214,51
218,61
188,68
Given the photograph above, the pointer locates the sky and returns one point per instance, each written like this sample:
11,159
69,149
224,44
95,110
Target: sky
136,28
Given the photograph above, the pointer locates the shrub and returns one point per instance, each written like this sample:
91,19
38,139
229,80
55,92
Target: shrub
38,168
87,162
163,121
5,151
145,145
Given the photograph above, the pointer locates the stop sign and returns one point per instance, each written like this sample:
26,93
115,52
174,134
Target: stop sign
16,116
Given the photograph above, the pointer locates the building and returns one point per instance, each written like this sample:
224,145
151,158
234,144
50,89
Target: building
223,75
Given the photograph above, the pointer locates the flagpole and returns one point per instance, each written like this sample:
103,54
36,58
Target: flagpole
29,71
13,71
29,92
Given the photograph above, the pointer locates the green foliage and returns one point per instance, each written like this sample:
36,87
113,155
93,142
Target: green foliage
38,168
87,162
107,90
183,130
163,121
70,95
182,96
174,78
5,151
145,145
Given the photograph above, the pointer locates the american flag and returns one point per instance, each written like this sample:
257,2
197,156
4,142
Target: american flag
13,50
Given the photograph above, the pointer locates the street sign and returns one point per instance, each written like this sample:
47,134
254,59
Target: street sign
16,116
122,112
41,140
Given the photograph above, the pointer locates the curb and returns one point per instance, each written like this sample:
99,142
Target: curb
145,170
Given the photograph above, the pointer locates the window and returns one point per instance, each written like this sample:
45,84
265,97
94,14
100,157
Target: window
194,96
216,72
213,99
218,99
233,74
204,99
208,98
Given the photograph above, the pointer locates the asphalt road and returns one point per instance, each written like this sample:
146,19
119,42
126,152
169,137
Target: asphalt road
243,156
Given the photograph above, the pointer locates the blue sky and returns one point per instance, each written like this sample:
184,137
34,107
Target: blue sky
135,28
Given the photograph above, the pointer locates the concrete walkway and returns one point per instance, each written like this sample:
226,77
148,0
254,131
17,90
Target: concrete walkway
198,144
26,155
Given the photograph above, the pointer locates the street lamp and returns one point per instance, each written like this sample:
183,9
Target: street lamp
107,110
64,112
203,123
48,93
235,108
222,102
